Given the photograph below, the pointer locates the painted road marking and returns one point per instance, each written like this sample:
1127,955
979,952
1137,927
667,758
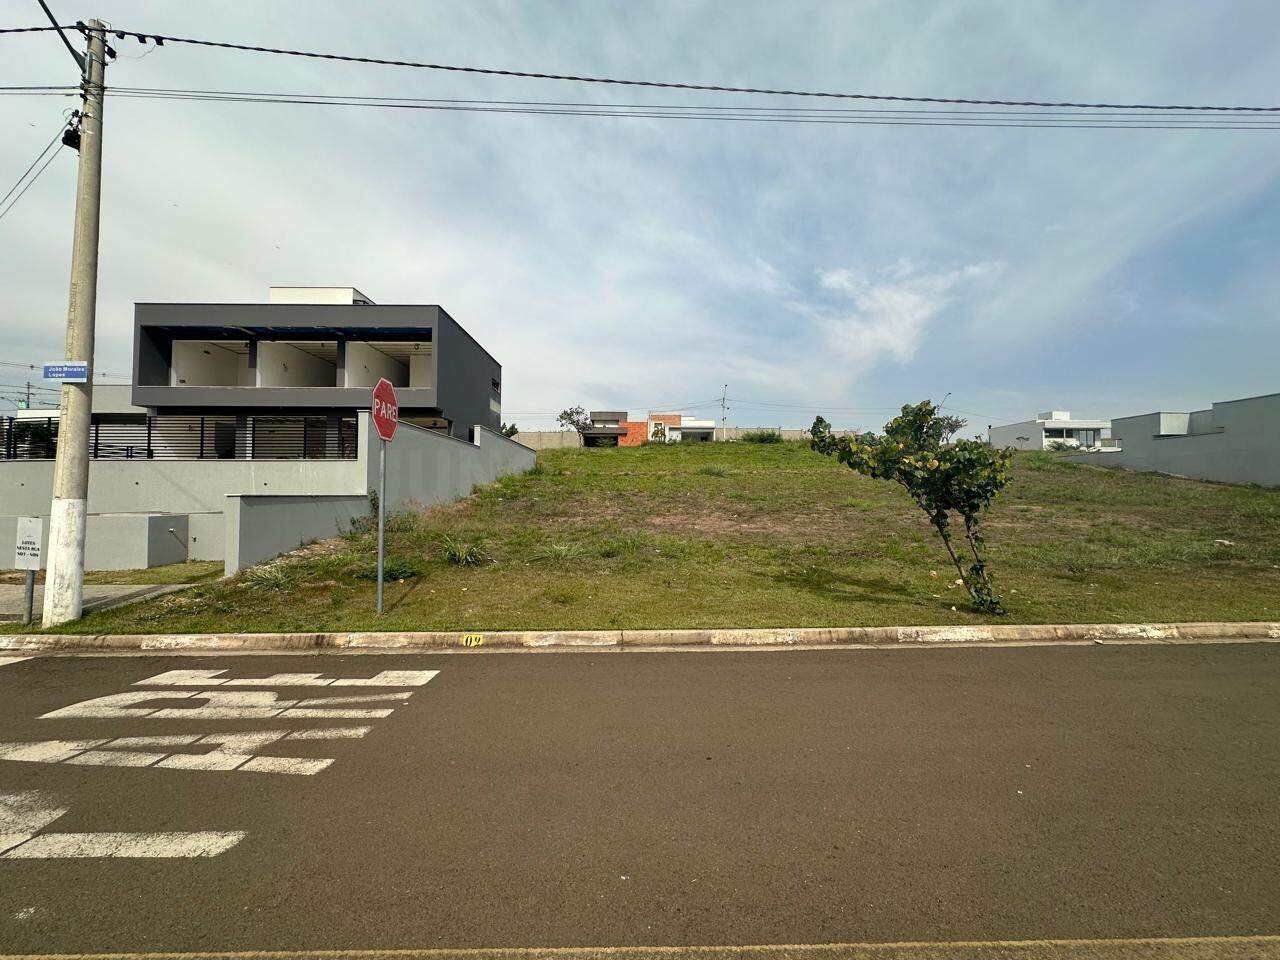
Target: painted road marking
1265,947
5,661
23,817
231,751
63,846
224,705
210,678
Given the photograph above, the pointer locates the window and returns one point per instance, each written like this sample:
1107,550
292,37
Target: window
1054,434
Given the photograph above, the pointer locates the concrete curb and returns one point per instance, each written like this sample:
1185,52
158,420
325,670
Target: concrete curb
1106,633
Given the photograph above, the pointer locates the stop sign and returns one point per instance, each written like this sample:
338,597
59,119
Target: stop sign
386,411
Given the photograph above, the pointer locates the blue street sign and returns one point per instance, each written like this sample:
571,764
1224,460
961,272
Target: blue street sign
68,371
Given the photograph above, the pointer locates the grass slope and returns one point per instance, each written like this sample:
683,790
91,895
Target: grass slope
758,535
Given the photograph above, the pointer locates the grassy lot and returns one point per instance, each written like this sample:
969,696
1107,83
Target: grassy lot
758,535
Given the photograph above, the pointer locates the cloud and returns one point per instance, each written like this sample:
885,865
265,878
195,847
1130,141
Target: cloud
888,313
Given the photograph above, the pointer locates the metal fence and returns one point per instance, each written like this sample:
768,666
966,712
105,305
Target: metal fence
133,437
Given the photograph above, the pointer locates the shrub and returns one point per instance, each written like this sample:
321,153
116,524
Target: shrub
761,436
272,577
962,478
463,553
558,552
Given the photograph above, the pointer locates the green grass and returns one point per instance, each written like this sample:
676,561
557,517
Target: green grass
693,535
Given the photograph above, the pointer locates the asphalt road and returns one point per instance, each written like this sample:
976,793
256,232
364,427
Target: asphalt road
613,799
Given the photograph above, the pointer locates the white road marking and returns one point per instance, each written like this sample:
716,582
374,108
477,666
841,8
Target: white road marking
210,678
329,733
46,751
23,815
298,765
221,705
231,751
5,661
59,846
115,758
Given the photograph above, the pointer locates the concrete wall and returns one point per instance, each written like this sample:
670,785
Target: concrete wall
1238,443
245,511
118,541
260,527
284,365
1008,434
366,365
426,467
200,363
549,439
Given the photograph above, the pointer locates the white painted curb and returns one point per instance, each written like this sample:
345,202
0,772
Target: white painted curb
650,639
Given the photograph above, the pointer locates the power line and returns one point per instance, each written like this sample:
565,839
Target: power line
654,84
33,164
739,115
36,177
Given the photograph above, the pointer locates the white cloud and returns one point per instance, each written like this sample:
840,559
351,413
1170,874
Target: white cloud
888,312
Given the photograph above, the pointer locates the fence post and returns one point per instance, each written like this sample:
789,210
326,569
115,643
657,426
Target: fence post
304,438
148,438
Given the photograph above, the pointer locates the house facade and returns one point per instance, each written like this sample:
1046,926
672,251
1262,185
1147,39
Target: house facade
1051,428
246,429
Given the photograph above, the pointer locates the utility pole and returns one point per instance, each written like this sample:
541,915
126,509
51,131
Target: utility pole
64,578
724,414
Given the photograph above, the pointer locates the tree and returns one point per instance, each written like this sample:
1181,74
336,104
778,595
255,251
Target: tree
960,479
574,418
510,429
659,432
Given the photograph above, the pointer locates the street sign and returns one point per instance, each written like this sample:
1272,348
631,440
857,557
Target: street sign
386,417
386,411
68,371
26,554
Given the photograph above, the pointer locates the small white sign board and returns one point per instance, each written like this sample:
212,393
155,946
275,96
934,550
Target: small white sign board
26,554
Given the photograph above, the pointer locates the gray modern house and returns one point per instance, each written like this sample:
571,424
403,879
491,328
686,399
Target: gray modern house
315,353
246,429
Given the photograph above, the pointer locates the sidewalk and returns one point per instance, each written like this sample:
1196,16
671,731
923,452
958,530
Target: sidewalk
97,596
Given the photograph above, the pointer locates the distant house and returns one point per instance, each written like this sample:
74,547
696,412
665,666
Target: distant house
1053,426
678,428
606,429
1234,441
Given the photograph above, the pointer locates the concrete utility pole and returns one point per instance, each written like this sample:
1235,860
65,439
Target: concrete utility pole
64,577
724,414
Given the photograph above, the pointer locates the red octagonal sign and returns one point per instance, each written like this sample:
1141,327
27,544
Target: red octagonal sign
386,411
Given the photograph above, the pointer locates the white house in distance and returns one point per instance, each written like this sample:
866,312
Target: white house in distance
1050,427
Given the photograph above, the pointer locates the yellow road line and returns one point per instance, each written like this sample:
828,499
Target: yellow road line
1137,948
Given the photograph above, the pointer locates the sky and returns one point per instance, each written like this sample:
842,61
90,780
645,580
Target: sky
644,264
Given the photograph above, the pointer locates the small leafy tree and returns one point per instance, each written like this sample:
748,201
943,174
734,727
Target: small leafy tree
959,479
659,432
510,430
574,418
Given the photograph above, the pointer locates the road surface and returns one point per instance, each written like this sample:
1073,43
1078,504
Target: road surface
624,799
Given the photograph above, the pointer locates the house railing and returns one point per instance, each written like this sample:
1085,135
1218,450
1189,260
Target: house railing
137,437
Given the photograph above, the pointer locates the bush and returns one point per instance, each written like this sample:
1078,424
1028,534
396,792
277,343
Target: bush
962,478
761,436
273,577
463,553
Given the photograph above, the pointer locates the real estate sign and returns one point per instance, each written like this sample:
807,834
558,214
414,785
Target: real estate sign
26,553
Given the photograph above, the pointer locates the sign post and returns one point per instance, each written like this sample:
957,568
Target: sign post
386,417
26,556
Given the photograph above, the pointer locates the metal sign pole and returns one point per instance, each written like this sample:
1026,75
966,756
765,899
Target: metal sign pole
382,510
30,596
